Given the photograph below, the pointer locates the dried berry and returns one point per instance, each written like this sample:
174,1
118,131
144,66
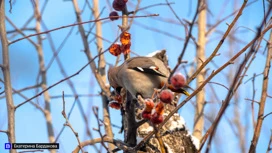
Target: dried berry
156,118
125,49
178,80
118,5
114,16
125,38
118,98
115,105
115,49
149,105
166,96
159,109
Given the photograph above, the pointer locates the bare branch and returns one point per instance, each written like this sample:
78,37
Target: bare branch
200,53
185,43
42,70
219,44
76,24
214,73
219,84
67,123
95,111
234,84
102,72
258,127
269,143
252,100
7,78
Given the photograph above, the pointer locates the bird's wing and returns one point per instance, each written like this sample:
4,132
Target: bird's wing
144,65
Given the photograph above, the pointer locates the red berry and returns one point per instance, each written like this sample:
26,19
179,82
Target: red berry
166,96
146,114
156,118
178,80
115,105
114,16
122,1
118,98
118,5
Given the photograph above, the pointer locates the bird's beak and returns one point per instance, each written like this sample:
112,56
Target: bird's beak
185,92
179,90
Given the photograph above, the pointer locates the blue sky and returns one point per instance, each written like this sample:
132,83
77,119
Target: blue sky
30,122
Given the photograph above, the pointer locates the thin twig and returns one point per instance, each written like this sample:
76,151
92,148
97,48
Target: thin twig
185,43
256,75
219,84
267,115
4,131
73,96
102,71
157,30
67,123
253,98
69,114
95,111
258,127
153,5
253,101
76,24
180,21
269,143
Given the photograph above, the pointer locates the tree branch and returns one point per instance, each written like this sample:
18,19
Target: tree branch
7,79
219,44
102,72
258,127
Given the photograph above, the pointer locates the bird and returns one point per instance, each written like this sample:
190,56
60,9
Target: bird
140,75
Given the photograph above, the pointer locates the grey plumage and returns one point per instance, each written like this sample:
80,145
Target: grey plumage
139,75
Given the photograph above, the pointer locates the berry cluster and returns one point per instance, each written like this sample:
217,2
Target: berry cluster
116,49
155,115
166,96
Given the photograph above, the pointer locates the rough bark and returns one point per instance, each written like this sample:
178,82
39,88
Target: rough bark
7,79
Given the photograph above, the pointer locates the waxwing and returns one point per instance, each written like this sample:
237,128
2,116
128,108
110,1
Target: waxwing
140,75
